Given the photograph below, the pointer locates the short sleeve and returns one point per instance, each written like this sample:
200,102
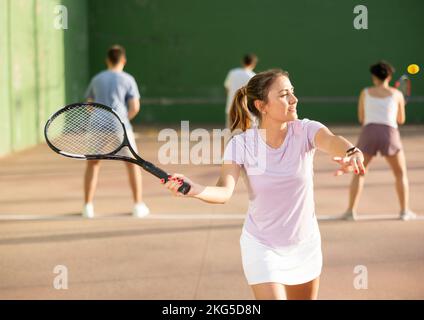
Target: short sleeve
234,151
311,127
227,80
132,92
89,93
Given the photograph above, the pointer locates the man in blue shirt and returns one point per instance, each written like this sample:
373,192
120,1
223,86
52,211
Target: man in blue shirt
118,90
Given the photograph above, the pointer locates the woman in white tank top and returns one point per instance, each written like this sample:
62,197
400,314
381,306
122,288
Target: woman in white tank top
381,109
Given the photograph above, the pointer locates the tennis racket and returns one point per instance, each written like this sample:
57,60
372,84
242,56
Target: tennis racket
404,85
92,131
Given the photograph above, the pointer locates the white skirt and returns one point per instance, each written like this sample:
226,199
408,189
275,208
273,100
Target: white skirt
291,265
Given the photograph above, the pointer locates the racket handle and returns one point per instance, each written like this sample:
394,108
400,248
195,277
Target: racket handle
150,167
185,188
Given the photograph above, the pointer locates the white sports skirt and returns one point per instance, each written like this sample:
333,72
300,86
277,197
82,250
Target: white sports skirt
290,265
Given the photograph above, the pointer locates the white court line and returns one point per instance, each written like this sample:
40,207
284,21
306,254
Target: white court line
195,216
19,217
24,217
150,217
379,217
368,217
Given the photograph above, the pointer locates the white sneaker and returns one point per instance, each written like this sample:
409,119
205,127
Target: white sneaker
348,215
408,215
88,211
140,210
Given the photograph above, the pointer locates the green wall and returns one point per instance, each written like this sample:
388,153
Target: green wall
5,124
34,55
183,49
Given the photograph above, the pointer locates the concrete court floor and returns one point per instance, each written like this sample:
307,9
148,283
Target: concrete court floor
188,249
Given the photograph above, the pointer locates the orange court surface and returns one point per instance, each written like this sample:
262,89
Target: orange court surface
187,249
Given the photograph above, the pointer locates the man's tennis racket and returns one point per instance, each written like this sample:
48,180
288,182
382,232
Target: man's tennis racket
404,85
92,131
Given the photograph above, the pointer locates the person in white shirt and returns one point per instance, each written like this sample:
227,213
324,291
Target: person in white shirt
381,109
238,78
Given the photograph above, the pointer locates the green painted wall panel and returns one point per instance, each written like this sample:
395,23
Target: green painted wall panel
5,124
23,59
46,68
49,67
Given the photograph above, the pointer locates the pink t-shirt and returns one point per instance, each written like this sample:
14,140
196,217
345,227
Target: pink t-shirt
280,181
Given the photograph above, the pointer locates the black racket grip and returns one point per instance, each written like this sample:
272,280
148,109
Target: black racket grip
150,167
185,188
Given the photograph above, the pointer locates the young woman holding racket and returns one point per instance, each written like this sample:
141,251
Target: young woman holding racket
381,109
280,241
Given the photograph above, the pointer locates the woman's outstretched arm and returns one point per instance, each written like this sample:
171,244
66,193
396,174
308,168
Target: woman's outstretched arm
220,193
336,146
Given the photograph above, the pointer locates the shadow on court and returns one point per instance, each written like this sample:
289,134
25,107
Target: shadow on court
188,249
108,234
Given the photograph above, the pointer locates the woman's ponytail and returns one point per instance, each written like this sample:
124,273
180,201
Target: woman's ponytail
239,113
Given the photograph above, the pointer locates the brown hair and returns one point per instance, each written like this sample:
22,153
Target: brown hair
249,59
382,70
243,103
115,53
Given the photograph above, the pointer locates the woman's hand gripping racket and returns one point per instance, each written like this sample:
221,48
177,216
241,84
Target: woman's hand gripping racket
92,131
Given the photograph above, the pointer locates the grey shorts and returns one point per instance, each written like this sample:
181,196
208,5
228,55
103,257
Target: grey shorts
381,138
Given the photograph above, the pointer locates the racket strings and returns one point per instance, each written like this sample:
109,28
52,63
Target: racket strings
404,85
86,130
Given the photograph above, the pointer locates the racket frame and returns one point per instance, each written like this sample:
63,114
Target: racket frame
406,95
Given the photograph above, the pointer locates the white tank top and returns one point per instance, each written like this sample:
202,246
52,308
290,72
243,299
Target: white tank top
381,110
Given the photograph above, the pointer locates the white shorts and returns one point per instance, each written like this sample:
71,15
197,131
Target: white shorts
291,265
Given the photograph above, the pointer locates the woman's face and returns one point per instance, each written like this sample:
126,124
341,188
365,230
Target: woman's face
282,102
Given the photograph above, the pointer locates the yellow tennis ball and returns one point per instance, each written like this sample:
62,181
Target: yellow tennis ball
413,69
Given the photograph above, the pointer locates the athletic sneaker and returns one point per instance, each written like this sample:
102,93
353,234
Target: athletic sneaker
140,210
408,215
88,211
348,215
